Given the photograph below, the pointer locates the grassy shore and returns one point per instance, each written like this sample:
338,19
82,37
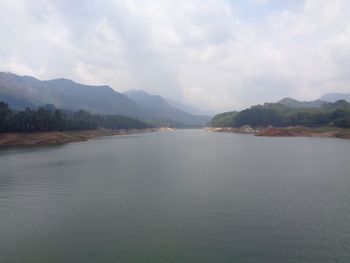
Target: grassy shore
299,131
49,138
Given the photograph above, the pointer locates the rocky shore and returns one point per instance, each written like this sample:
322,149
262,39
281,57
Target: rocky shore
330,132
51,138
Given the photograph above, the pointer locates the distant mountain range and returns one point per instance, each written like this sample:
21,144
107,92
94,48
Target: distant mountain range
333,97
25,91
190,109
162,109
330,97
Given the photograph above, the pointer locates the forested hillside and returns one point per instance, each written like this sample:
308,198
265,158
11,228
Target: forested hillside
224,119
278,115
21,92
48,118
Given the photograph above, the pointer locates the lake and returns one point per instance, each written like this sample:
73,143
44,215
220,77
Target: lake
183,196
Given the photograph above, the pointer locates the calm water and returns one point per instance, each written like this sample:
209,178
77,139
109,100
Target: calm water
184,196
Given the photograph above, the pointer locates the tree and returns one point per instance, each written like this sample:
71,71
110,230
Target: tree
48,118
5,115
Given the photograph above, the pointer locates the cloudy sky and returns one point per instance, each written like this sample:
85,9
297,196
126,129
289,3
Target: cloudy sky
214,54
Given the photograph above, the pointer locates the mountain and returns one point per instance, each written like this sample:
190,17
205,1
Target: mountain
162,109
21,92
292,103
333,97
24,91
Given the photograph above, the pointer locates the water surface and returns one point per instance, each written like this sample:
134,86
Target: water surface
184,196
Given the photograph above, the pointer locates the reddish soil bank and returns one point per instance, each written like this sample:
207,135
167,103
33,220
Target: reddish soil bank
298,131
305,132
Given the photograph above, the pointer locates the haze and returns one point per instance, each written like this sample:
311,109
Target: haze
219,55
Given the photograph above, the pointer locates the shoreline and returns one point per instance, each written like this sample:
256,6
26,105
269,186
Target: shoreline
297,131
61,137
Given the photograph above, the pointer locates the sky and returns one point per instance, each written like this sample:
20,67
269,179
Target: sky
217,55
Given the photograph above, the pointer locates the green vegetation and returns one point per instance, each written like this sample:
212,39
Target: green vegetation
107,121
223,119
275,114
48,118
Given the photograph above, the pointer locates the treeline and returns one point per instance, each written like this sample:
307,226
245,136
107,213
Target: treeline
224,119
107,121
49,118
277,115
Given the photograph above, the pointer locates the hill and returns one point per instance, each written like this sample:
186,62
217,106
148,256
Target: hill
25,91
224,119
336,114
292,103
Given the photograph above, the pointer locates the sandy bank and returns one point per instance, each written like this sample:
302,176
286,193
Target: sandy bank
166,129
243,129
48,138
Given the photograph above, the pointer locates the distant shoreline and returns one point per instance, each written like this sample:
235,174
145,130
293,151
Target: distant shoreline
297,131
59,138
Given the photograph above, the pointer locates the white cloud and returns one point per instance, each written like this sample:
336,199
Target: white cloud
208,53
